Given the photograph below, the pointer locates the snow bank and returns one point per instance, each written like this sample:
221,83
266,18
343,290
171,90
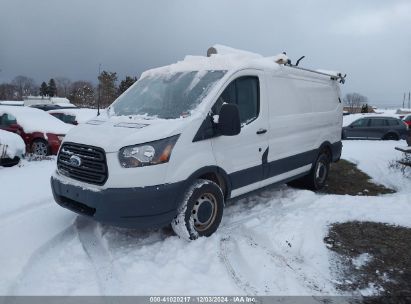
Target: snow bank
82,115
12,144
35,120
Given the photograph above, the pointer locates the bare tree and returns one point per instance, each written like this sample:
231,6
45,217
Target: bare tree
354,101
8,91
25,86
63,86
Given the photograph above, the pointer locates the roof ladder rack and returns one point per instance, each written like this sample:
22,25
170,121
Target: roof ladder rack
338,77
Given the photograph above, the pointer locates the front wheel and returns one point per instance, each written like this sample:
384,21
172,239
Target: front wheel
201,211
40,147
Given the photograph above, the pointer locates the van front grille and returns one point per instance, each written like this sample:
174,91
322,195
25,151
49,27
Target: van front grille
84,163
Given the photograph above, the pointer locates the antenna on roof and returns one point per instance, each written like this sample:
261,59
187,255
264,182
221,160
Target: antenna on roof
298,61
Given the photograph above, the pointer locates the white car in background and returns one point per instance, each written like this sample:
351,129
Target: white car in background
12,148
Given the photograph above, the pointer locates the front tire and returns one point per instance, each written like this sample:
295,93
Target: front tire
40,147
201,211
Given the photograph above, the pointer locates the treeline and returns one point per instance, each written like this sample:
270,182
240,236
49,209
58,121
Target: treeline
81,93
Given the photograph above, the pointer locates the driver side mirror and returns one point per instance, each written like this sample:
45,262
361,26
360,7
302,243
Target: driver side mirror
229,120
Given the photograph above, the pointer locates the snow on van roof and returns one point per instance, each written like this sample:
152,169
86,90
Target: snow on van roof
220,57
35,120
225,58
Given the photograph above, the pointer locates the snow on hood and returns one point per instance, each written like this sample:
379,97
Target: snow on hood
35,120
116,132
15,144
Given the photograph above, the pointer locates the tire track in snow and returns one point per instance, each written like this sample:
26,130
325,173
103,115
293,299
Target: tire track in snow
32,266
10,215
242,281
108,274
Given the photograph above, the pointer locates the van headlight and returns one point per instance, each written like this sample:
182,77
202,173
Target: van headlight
151,153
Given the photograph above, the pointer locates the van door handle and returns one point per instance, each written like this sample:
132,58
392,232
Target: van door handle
261,131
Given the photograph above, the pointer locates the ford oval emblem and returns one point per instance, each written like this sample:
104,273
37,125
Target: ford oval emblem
75,161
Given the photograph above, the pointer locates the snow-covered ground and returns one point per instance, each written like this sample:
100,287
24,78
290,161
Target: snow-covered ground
270,242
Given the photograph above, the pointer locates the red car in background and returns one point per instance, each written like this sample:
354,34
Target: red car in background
407,120
41,132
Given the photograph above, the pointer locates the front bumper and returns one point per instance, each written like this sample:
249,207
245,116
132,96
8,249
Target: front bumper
141,207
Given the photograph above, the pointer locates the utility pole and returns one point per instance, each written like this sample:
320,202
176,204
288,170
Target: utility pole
409,100
98,98
403,101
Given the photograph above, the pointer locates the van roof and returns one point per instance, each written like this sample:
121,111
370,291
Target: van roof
226,58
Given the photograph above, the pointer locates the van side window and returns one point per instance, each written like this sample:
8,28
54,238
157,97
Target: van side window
245,93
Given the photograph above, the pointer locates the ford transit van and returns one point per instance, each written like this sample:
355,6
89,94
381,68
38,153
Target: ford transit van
187,137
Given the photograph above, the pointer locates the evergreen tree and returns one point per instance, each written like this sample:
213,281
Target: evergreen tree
52,88
107,90
44,90
125,84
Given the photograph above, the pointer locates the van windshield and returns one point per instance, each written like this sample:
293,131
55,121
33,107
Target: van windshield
167,96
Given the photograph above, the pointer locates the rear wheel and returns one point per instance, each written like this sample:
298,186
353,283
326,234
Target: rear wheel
40,147
391,136
201,211
317,178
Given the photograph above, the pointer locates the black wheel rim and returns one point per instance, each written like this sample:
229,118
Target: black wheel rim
204,211
321,172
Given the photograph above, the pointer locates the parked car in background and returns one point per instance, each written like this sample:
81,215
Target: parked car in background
376,127
41,132
47,107
74,116
407,120
12,148
12,103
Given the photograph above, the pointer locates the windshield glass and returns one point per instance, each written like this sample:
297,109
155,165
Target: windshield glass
167,96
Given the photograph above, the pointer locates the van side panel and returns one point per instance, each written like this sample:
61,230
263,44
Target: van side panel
304,113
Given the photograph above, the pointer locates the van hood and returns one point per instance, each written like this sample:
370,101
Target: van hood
114,133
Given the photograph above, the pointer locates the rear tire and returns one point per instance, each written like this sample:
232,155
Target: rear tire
201,211
391,136
40,147
317,178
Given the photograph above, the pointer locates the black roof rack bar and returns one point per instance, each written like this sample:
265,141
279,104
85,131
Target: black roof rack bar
340,77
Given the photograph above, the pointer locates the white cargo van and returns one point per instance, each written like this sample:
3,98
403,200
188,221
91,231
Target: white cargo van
187,137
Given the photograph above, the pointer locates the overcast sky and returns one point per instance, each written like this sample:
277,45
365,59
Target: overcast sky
370,40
